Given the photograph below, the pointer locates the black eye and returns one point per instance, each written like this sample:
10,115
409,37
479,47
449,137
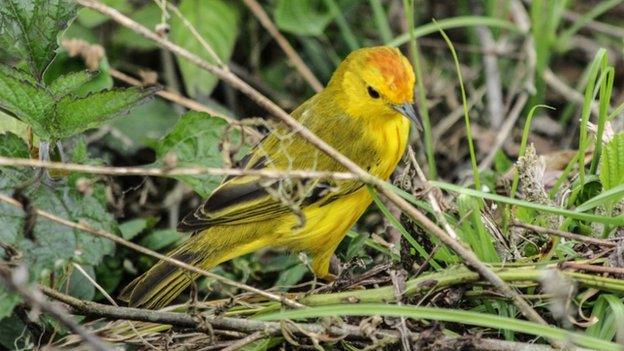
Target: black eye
373,93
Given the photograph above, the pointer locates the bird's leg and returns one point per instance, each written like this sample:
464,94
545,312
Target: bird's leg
320,266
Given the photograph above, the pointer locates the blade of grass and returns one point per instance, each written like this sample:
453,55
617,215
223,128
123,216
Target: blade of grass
445,315
473,156
373,245
598,64
395,222
606,90
408,6
381,21
604,198
538,207
343,25
455,22
525,138
595,11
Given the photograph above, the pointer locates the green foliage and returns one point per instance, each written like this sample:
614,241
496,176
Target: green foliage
51,245
473,230
305,17
91,18
63,65
55,112
612,163
74,115
609,312
444,314
30,28
220,35
141,127
149,15
160,239
195,141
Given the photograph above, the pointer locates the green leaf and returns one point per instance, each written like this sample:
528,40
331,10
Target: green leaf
133,227
64,65
217,22
51,245
25,98
612,163
69,83
78,285
149,16
609,310
74,115
195,142
91,18
30,28
159,239
143,126
473,229
291,276
12,330
12,145
302,17
11,124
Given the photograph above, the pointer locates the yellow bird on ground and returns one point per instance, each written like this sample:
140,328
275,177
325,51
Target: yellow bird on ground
364,113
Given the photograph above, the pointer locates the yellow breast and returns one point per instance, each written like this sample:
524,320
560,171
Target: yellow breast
391,137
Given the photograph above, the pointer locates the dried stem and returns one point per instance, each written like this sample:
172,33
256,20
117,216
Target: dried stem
266,22
183,320
175,171
567,235
16,280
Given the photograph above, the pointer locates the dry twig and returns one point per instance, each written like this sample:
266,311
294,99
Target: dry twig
266,22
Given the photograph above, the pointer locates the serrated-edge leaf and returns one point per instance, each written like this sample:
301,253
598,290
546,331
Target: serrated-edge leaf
33,26
21,95
612,163
73,115
68,83
11,145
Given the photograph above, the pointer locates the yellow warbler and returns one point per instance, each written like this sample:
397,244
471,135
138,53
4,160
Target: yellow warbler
361,113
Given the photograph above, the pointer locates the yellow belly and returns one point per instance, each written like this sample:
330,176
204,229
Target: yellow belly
325,226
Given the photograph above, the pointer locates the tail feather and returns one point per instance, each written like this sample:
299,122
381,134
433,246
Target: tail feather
160,285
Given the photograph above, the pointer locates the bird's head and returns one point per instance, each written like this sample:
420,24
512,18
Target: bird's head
376,82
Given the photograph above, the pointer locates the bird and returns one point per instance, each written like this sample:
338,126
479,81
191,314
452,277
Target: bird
364,112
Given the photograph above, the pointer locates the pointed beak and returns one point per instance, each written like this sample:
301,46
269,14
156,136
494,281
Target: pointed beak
408,110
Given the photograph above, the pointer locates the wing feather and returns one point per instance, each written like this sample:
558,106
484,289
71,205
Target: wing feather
248,199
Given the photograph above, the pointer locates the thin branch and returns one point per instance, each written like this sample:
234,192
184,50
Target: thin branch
565,90
505,130
238,344
198,37
592,268
121,241
227,76
432,199
567,235
301,67
183,320
16,280
170,172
